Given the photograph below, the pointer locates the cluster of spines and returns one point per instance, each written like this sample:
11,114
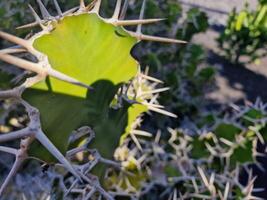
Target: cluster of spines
43,69
198,176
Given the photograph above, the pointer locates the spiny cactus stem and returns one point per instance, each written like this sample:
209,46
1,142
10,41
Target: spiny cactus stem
42,138
155,91
155,38
141,133
141,16
37,18
11,51
70,188
157,137
226,191
203,176
96,7
150,78
21,154
12,173
44,11
15,135
249,188
81,132
24,43
153,105
32,81
110,163
137,143
66,78
34,131
30,25
71,153
70,11
117,10
164,112
256,131
39,69
133,22
90,6
82,4
227,142
33,24
94,181
8,150
86,168
12,93
90,194
124,9
59,11
24,64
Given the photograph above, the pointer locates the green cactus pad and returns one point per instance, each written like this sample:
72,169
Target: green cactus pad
94,52
89,49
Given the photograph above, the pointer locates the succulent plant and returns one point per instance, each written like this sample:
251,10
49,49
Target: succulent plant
209,164
245,35
81,73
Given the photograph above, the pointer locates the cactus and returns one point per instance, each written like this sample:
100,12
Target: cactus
245,35
91,95
83,75
205,165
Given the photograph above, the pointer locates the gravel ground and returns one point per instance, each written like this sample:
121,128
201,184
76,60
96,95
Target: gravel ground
234,83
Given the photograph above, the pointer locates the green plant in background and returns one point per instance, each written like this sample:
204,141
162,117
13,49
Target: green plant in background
88,79
245,34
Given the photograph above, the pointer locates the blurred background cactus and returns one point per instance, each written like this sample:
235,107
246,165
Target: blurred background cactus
245,34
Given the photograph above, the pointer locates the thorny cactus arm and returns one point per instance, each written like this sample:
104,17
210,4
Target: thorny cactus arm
21,155
43,69
193,159
30,133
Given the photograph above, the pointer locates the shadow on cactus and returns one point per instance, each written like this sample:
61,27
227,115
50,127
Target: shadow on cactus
84,75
